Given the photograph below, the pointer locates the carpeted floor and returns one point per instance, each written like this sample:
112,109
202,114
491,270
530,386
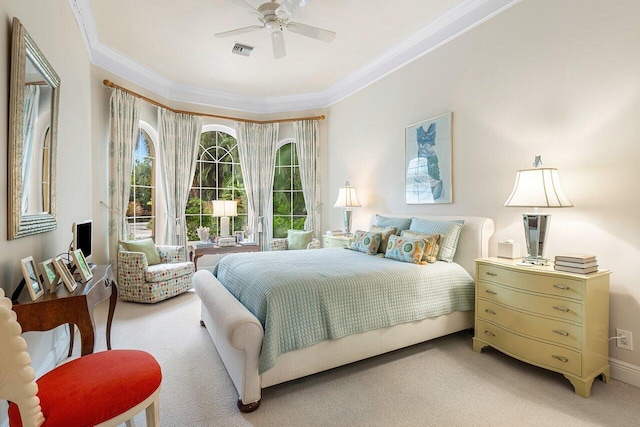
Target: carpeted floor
437,383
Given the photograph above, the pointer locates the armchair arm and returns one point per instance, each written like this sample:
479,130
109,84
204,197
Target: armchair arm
131,266
314,244
169,253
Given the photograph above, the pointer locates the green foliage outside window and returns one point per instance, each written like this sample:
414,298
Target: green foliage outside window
289,211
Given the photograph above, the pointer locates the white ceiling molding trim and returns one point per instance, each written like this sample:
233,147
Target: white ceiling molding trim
455,22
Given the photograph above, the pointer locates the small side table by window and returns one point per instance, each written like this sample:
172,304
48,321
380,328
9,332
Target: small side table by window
54,309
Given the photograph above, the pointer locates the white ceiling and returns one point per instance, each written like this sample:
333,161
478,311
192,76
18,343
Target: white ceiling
169,47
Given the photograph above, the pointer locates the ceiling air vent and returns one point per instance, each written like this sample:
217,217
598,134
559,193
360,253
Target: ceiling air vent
242,49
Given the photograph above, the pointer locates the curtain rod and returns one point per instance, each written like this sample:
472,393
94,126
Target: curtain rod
109,83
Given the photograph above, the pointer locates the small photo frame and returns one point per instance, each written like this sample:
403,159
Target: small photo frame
81,264
63,271
50,275
239,236
31,277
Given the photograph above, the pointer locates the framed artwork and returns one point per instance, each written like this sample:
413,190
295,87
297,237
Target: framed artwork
65,274
428,161
31,277
81,264
50,275
239,236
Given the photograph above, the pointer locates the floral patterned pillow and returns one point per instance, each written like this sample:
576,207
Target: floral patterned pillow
385,232
366,242
406,249
432,241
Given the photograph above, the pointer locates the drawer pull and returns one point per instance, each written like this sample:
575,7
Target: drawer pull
488,273
491,292
489,311
491,334
560,358
563,333
564,309
563,287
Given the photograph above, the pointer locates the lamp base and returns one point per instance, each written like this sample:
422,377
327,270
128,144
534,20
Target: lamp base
536,226
347,222
224,226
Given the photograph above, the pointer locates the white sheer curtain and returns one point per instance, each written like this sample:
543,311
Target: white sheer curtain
306,133
31,104
179,139
124,122
257,150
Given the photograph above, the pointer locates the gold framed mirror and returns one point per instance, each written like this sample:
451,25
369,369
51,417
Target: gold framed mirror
33,128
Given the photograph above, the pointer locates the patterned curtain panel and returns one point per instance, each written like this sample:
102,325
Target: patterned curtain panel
124,122
306,133
257,150
31,104
179,138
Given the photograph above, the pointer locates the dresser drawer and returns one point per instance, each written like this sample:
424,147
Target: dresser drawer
538,327
539,353
559,286
561,309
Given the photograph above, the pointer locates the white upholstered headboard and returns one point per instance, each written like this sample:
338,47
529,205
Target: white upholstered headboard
474,237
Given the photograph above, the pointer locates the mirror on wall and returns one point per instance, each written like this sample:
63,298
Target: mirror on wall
33,124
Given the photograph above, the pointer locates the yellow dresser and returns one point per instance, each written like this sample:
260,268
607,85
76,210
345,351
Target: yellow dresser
552,319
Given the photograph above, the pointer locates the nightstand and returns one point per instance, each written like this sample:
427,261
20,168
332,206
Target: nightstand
552,319
336,241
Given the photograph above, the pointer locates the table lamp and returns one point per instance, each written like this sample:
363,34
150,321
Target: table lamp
537,188
347,199
223,209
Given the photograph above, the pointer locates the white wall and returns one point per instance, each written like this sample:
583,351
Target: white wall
556,78
53,27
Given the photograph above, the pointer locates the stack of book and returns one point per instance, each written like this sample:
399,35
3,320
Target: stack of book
576,263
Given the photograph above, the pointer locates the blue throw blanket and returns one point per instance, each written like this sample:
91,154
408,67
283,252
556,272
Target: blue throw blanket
308,296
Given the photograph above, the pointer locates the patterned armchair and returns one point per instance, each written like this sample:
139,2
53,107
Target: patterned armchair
140,282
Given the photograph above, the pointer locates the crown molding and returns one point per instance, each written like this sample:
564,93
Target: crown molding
463,17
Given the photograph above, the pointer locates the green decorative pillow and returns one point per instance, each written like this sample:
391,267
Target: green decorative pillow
385,232
399,223
450,231
146,246
366,242
298,239
432,241
405,249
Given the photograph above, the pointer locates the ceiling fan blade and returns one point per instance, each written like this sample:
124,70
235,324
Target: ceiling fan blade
252,10
309,31
289,7
240,31
277,38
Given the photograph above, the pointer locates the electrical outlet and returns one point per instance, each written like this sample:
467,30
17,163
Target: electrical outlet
626,339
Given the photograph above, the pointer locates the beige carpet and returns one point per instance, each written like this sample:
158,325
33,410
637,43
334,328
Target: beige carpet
438,383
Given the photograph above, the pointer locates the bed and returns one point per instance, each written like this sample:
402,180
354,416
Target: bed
258,356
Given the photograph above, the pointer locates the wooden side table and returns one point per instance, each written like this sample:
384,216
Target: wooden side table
54,309
197,252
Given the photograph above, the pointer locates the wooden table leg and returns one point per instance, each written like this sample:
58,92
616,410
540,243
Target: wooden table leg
86,328
112,308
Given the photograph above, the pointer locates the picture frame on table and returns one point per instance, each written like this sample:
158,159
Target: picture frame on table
81,264
65,274
31,277
50,275
428,162
239,236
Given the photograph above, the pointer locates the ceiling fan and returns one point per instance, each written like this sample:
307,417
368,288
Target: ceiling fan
275,16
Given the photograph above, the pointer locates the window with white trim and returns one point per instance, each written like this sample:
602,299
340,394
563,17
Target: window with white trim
289,211
141,209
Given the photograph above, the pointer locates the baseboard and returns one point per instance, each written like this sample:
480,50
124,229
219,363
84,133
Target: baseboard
625,372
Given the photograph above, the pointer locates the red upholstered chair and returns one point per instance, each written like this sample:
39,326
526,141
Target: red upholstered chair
100,389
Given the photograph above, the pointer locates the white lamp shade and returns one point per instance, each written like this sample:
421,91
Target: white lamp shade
539,188
222,208
347,198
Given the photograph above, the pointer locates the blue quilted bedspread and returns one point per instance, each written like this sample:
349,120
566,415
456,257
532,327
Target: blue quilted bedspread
308,296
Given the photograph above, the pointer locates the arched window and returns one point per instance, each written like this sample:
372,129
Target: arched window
218,176
289,211
141,210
